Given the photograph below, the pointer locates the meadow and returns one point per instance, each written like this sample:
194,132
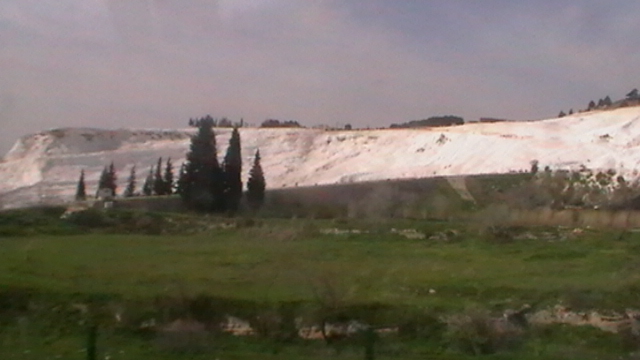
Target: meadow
118,272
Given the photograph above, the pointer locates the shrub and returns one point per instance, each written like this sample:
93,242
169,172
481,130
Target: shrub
91,218
476,332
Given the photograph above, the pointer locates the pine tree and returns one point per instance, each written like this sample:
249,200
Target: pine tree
103,182
158,181
592,105
562,114
607,101
204,180
130,191
147,187
233,172
256,184
182,180
112,179
600,103
81,190
570,111
168,178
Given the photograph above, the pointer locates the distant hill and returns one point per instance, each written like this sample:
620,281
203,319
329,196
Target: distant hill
44,167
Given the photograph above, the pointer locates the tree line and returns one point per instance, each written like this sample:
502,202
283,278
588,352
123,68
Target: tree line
203,183
631,98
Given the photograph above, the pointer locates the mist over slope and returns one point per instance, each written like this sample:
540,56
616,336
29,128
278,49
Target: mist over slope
44,167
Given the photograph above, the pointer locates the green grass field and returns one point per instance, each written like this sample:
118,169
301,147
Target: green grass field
264,263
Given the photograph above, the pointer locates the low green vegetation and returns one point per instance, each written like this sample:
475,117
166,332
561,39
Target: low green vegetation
124,269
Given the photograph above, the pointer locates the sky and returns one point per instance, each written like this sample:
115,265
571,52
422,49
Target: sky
157,63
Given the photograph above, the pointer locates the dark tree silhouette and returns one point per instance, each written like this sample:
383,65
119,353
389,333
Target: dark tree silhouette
167,178
81,190
130,190
233,172
103,182
562,114
182,180
147,187
633,94
592,105
570,111
607,101
112,179
203,183
158,181
256,184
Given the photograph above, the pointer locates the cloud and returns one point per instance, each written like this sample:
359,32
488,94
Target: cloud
155,63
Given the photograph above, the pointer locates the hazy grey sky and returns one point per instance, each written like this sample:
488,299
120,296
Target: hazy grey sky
156,63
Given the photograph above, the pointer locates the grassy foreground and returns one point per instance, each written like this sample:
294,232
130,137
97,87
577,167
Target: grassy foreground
288,260
454,267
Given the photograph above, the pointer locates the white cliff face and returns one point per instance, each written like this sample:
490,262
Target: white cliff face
46,166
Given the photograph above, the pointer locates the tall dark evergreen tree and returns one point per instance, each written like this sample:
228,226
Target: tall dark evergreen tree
256,184
112,179
167,179
182,180
204,180
130,190
233,172
147,187
591,106
103,182
158,181
81,190
607,101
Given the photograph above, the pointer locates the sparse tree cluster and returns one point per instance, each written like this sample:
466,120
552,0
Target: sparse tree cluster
205,184
631,98
274,123
108,180
219,123
434,121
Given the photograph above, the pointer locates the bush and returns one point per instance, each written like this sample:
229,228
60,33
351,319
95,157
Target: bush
32,221
91,218
475,332
423,326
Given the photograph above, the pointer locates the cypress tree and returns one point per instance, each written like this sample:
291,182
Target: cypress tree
182,180
147,187
233,172
81,190
112,179
256,184
131,183
103,182
203,178
158,182
168,178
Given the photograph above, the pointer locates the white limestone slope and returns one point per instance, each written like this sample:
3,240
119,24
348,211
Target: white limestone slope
45,166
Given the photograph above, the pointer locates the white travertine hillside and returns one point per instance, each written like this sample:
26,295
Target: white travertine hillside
46,166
